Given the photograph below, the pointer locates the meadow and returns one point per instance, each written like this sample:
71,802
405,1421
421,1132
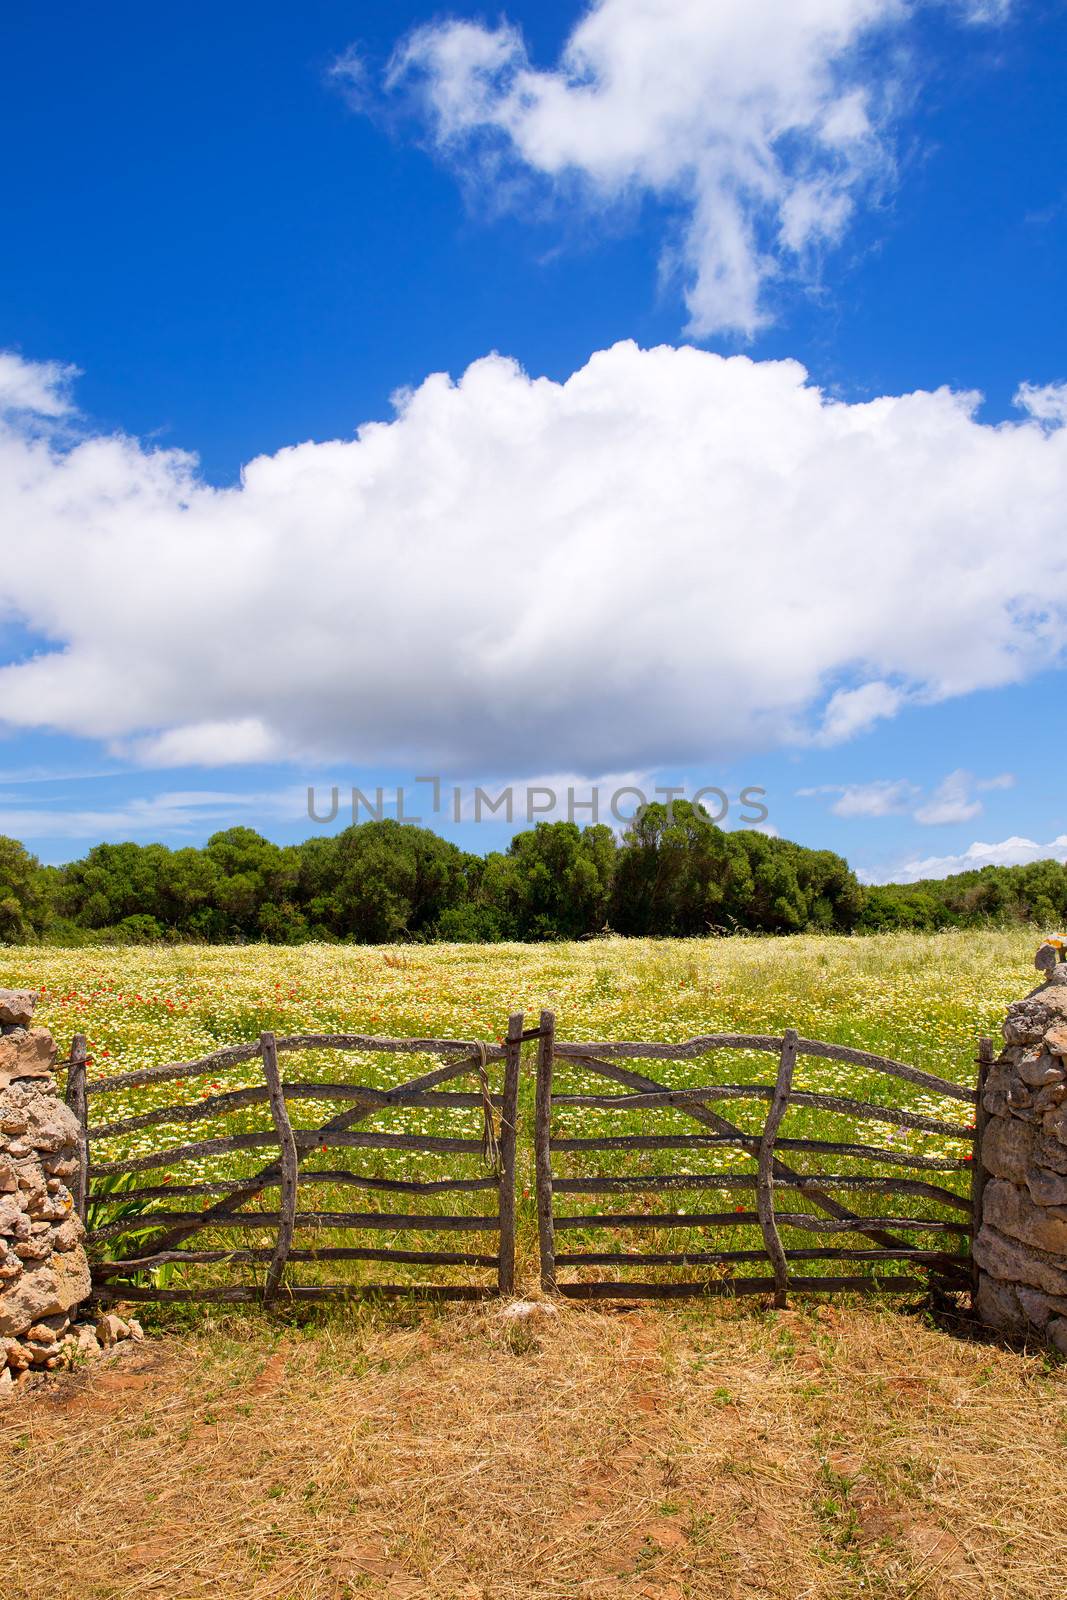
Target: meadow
835,1451
922,999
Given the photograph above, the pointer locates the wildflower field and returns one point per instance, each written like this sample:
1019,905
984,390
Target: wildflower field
921,999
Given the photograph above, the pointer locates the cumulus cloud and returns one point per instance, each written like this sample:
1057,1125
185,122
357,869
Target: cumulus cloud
1045,402
672,557
35,388
763,121
1013,852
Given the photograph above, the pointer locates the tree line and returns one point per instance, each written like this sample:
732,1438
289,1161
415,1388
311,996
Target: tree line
672,873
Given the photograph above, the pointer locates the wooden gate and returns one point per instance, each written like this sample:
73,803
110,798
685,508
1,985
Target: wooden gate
257,1115
705,1238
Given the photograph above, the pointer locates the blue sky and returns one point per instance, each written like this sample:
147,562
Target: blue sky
249,228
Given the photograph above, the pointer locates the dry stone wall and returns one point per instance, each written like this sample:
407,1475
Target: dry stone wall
44,1273
1021,1246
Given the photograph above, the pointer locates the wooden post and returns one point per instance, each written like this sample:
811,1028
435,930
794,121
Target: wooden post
290,1165
765,1171
986,1056
78,1101
542,1149
509,1112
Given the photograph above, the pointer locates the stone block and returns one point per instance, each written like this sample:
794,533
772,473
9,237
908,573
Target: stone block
1007,1148
1056,1334
26,1053
1040,1307
17,1006
1047,1188
1010,1209
1038,1068
998,1305
1014,1262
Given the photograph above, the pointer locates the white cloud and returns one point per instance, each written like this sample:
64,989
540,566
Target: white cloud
672,557
180,812
763,121
1045,402
349,73
852,711
885,797
204,744
952,800
181,815
1013,852
984,11
40,388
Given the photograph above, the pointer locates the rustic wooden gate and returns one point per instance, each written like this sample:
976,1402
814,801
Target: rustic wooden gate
116,1206
785,1234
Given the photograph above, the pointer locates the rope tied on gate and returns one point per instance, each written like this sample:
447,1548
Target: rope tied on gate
490,1148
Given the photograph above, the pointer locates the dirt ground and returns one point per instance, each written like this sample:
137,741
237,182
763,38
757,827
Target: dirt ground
666,1453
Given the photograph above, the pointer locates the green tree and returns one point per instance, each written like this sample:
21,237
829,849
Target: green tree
23,900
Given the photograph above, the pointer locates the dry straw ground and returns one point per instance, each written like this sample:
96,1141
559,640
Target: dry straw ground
824,1453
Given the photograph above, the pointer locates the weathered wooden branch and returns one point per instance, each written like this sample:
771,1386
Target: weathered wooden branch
103,1270
750,1142
542,1149
729,1287
746,1181
78,1103
356,1180
307,1139
232,1054
236,1099
507,1146
751,1219
682,1098
635,1050
712,1258
765,1170
289,1166
421,1222
986,1055
236,1293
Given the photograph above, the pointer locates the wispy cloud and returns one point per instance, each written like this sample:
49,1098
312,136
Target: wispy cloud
766,122
149,818
954,799
883,798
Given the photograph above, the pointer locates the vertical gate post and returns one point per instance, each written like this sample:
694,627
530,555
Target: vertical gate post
509,1112
542,1149
290,1166
765,1173
78,1101
986,1056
